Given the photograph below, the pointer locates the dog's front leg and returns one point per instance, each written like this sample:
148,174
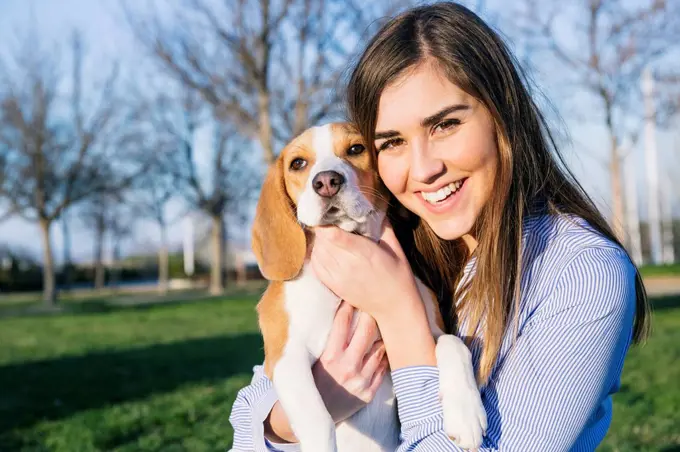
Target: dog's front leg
464,414
309,419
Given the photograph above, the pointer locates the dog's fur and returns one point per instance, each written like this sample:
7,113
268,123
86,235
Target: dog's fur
296,311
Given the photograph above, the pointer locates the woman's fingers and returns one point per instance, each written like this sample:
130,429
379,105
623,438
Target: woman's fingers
322,261
339,335
373,359
364,335
377,378
326,232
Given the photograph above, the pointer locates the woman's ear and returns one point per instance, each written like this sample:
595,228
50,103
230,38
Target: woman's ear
278,240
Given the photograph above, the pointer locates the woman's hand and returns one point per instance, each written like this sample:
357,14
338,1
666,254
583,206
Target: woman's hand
352,366
373,277
347,374
376,278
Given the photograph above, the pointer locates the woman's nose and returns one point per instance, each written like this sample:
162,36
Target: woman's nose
425,166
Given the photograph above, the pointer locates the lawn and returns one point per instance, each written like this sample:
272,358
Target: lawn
162,377
660,270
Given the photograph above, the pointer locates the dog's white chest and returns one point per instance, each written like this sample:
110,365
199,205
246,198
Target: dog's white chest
311,308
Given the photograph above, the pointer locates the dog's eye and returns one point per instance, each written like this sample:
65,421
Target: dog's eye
356,149
298,164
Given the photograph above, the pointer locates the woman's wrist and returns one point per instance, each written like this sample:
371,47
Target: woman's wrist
277,428
407,335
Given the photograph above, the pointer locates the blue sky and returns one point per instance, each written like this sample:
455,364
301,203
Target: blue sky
107,37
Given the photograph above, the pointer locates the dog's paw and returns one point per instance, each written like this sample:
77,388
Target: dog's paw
464,414
321,440
318,447
464,417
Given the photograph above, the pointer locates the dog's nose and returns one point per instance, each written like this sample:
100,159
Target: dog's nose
328,183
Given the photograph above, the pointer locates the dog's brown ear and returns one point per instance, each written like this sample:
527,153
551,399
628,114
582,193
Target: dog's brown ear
278,240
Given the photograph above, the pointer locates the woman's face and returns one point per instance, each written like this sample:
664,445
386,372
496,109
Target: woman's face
436,151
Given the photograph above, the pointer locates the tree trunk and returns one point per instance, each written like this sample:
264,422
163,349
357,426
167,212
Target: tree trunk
266,128
163,261
115,266
225,253
49,292
301,113
241,276
618,214
217,264
67,273
99,273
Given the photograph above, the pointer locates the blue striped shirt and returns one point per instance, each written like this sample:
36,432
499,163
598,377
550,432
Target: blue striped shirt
551,388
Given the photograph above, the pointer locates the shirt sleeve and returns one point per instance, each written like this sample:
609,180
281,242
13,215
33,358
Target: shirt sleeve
552,390
251,407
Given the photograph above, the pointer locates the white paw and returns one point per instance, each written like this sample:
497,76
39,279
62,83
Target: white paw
464,417
321,440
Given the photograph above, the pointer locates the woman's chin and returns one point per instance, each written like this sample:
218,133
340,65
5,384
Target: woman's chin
451,229
447,225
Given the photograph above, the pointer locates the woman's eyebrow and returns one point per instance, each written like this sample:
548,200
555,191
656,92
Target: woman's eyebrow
435,118
386,134
427,122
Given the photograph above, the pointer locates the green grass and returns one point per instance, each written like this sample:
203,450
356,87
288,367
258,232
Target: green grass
660,270
91,300
150,378
647,408
163,377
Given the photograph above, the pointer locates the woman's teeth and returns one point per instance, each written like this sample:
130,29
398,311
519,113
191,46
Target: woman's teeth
442,193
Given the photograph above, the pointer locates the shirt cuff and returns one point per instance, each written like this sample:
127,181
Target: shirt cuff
260,413
417,391
286,447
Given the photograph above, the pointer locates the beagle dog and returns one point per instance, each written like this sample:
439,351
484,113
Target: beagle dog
326,176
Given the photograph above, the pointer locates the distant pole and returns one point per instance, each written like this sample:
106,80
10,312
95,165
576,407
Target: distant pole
188,246
668,252
633,222
652,167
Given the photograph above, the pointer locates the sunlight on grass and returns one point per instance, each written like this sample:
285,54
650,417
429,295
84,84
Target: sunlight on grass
163,377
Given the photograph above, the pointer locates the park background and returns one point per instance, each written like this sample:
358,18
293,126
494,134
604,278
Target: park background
134,137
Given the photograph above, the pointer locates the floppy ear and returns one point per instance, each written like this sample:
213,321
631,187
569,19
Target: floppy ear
278,239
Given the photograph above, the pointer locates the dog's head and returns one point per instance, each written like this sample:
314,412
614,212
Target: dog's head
325,176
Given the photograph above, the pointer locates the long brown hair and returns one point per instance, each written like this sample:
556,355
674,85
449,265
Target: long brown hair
532,173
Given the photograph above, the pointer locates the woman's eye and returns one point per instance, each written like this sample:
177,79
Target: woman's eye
392,142
446,125
297,164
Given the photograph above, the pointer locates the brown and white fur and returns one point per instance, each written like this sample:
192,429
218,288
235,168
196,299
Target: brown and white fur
296,311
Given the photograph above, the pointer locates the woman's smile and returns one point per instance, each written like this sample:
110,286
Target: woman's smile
444,199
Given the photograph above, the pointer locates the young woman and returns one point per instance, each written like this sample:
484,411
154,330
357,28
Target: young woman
526,268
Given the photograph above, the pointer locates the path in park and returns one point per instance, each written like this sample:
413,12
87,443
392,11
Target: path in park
657,286
662,285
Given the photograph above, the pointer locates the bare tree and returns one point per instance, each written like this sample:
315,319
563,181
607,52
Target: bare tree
272,67
61,146
216,178
67,261
603,45
668,95
120,228
102,213
111,217
5,210
150,199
